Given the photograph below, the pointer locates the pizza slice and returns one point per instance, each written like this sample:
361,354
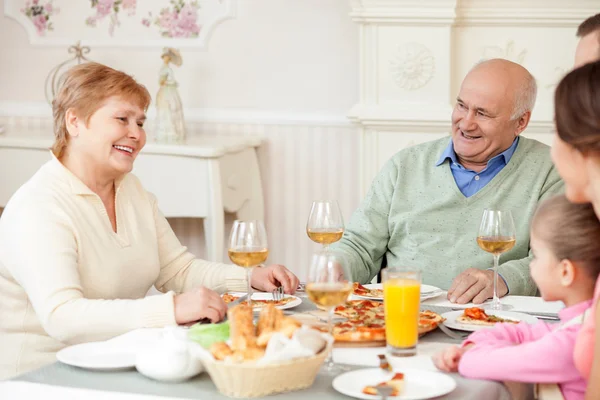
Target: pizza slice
360,290
477,316
229,298
397,384
429,321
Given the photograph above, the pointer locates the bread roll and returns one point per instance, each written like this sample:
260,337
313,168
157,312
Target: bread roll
220,350
242,332
269,318
288,326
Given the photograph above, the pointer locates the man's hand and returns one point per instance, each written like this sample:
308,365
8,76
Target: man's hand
476,285
268,278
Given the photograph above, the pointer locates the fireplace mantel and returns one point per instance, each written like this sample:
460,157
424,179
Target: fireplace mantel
414,55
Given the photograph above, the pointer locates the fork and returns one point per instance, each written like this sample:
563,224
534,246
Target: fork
384,391
452,334
277,293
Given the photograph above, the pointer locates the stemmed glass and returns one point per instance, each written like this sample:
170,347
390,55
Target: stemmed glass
496,235
329,285
325,223
248,247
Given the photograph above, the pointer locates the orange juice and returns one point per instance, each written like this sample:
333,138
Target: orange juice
401,299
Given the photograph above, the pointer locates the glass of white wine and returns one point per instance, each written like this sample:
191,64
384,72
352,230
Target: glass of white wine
496,235
248,247
325,223
329,285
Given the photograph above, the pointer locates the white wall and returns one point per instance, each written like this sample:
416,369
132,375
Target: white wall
292,70
284,69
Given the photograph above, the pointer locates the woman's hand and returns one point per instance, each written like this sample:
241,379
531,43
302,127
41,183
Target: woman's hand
448,359
199,303
268,278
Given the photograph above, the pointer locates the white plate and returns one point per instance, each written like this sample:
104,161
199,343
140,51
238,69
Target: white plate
427,291
268,296
418,384
451,321
97,355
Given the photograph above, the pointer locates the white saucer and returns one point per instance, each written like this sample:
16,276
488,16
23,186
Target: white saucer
97,356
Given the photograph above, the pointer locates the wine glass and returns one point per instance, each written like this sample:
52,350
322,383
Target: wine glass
496,235
248,247
325,223
329,285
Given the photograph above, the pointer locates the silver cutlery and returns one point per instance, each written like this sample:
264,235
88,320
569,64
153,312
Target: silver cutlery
384,391
237,301
278,294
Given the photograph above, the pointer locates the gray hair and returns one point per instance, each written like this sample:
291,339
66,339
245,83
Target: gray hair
525,97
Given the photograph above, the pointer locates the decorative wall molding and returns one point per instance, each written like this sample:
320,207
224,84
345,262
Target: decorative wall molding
406,12
141,24
531,13
509,52
409,99
413,65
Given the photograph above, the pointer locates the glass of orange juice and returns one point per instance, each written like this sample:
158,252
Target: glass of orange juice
401,298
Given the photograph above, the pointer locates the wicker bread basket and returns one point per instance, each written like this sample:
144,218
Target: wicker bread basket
250,380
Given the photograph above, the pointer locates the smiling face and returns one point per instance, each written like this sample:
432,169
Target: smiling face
481,121
112,138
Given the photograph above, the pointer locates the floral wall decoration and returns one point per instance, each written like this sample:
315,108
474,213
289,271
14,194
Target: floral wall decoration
110,9
117,23
180,19
40,14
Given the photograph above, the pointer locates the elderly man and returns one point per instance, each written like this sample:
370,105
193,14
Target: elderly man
424,208
588,48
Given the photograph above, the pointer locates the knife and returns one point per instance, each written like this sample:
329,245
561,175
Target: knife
229,305
237,301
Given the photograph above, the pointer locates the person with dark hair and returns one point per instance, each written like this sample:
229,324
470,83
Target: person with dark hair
588,48
565,267
576,154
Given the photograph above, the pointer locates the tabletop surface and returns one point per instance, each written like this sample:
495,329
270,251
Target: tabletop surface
130,381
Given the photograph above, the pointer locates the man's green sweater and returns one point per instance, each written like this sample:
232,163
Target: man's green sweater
415,215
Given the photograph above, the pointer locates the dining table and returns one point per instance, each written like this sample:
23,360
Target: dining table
61,381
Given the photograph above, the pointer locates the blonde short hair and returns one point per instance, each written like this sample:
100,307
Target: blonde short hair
84,89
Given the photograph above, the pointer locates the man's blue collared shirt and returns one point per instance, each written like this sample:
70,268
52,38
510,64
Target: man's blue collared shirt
470,182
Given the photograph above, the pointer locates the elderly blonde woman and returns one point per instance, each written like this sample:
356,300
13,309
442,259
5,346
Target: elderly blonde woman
82,242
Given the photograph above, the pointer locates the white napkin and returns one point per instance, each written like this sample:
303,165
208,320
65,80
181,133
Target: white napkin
168,358
305,342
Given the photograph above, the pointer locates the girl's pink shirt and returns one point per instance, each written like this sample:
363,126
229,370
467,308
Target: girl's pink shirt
537,353
584,345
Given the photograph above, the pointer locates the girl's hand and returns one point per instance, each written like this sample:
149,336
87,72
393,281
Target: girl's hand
448,359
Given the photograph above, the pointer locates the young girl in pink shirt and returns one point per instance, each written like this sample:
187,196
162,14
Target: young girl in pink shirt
565,266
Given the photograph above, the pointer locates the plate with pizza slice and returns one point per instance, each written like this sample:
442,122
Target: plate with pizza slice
261,299
474,318
374,291
413,384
